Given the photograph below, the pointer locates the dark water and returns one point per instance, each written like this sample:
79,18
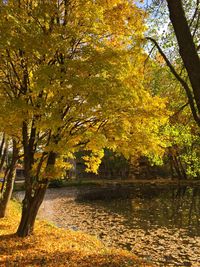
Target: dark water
158,207
160,224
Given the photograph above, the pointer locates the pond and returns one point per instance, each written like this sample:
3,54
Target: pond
158,223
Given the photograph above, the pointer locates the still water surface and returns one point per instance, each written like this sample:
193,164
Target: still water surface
160,224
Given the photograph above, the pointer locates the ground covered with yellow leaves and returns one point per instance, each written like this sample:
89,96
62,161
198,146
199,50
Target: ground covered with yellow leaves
51,246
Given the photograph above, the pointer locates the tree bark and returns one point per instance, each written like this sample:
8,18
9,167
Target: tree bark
32,201
187,48
31,205
3,151
8,192
9,183
176,163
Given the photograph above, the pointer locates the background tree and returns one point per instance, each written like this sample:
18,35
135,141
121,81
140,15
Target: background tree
184,17
181,132
8,176
9,152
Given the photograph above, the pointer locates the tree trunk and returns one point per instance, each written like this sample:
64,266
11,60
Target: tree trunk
7,193
9,182
178,167
3,158
30,209
33,199
187,49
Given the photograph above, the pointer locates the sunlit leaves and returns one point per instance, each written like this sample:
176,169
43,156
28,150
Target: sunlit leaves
75,72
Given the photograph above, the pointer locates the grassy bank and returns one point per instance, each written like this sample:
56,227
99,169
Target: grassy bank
50,246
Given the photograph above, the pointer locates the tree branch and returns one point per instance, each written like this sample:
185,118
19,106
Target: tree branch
178,77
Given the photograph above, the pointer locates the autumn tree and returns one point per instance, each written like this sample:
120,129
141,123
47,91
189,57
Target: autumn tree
72,74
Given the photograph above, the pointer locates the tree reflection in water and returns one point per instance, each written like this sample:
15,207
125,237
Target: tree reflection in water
153,206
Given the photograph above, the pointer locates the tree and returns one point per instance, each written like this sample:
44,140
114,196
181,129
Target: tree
187,49
9,153
186,32
72,71
9,177
179,47
181,132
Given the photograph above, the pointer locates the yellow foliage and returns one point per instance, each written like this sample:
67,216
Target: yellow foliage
93,160
73,72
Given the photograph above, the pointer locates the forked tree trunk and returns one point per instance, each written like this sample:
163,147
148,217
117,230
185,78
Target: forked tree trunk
32,201
30,209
